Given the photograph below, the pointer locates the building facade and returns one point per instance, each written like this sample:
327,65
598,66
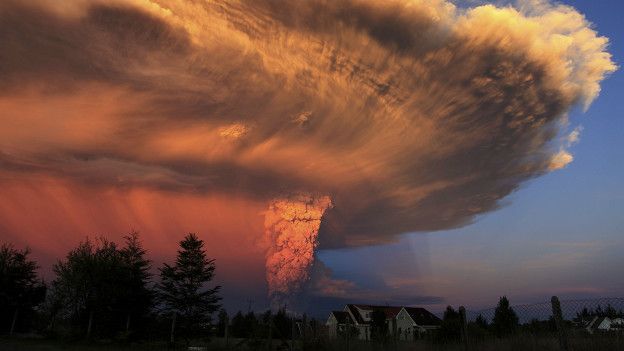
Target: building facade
404,323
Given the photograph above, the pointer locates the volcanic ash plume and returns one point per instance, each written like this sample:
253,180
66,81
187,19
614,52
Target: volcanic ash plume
291,227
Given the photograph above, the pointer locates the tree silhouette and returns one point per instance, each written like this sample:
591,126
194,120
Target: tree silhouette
182,290
20,289
139,297
505,320
223,322
450,329
238,327
93,282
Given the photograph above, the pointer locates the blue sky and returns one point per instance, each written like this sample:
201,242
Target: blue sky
561,234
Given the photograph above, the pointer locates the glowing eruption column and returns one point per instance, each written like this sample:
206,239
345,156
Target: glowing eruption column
292,226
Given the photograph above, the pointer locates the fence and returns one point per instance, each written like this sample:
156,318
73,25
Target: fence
591,324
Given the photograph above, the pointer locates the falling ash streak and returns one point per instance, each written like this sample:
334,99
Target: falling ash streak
291,228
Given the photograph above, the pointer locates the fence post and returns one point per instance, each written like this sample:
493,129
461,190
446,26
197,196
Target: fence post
464,327
558,316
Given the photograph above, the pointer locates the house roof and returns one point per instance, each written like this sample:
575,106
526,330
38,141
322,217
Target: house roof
596,322
390,311
356,314
421,316
341,316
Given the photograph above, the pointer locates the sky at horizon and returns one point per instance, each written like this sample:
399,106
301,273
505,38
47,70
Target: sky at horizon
560,233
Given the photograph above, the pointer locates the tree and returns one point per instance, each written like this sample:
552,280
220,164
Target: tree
20,289
450,329
138,297
223,322
182,290
238,327
505,320
92,281
283,324
379,327
478,330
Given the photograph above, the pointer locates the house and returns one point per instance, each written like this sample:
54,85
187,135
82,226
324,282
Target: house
413,322
337,323
405,323
605,324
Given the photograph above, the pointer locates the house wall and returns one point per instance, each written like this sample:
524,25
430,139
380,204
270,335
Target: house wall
364,332
332,326
405,326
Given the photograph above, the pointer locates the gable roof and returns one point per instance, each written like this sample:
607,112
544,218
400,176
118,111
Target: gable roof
421,316
355,314
390,311
596,322
354,310
341,316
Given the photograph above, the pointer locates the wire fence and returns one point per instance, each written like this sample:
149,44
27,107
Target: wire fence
576,311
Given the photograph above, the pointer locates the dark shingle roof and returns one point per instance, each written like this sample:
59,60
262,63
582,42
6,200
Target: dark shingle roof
341,316
390,311
422,317
356,314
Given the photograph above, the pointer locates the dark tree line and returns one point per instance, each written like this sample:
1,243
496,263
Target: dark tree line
504,323
102,290
265,330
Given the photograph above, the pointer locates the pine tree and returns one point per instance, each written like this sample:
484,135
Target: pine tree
182,290
505,320
139,296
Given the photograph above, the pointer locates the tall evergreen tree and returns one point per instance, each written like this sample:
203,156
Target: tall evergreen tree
183,291
20,289
505,320
139,296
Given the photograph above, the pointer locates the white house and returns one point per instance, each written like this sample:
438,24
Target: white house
605,324
337,323
406,323
413,322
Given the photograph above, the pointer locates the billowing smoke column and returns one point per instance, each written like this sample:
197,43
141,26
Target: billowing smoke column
292,224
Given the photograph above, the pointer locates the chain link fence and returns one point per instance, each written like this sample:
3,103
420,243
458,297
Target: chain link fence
582,324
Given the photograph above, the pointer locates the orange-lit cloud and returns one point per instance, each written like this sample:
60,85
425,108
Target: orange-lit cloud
408,115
